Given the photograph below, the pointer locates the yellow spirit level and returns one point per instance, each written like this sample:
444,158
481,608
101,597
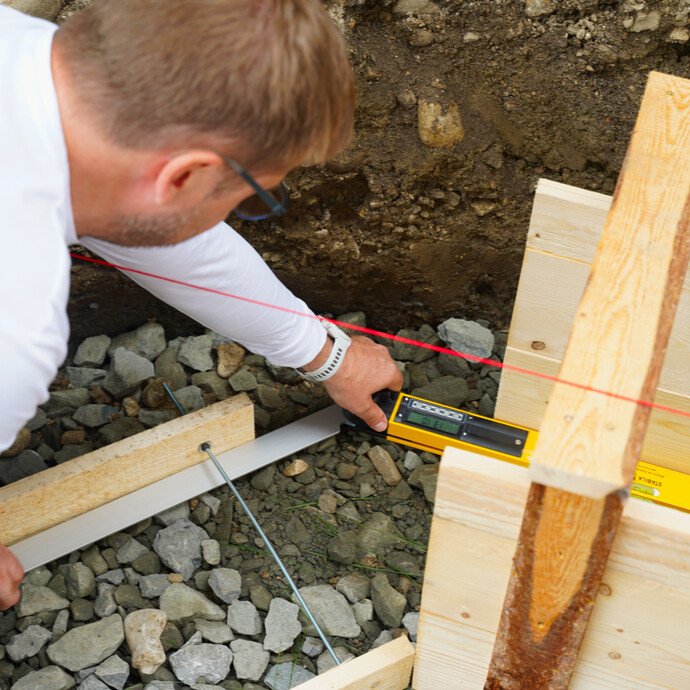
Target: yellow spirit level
429,426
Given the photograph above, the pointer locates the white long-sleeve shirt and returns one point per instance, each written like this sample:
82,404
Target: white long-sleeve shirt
37,227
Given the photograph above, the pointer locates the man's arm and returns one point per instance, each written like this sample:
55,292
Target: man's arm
269,319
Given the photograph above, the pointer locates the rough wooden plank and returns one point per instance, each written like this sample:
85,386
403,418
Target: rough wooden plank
60,493
522,400
636,637
122,512
625,317
549,293
387,667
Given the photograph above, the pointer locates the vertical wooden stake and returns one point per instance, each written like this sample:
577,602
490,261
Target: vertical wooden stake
590,443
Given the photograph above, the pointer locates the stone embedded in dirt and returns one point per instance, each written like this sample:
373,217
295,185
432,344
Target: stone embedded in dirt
389,604
27,643
226,584
243,618
331,611
72,398
88,645
411,460
262,479
646,21
539,8
210,551
343,548
195,352
92,351
363,610
283,374
249,660
201,663
130,551
287,675
467,337
128,370
166,366
119,429
180,601
282,626
438,126
48,678
269,397
415,7
243,380
425,477
230,358
179,547
143,631
210,382
406,352
385,465
79,579
296,467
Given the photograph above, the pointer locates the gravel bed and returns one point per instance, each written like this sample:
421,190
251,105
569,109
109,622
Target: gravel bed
191,597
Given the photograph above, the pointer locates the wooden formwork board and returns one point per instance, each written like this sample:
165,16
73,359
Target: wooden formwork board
564,231
49,498
387,667
637,637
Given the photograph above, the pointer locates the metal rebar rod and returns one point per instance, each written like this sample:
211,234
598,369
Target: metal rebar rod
206,448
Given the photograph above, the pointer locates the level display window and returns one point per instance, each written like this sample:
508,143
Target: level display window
434,423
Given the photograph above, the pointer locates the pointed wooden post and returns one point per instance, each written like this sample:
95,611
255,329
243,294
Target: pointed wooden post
589,443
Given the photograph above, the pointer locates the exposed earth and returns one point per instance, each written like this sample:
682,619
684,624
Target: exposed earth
462,107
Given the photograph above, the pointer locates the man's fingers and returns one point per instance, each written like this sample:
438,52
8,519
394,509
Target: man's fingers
373,416
11,574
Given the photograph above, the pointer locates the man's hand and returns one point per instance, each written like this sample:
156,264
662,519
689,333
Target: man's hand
11,574
366,369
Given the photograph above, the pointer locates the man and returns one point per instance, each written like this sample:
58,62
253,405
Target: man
135,129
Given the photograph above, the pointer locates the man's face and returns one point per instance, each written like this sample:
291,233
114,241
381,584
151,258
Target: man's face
162,229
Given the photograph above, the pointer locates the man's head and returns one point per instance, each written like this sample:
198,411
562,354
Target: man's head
266,82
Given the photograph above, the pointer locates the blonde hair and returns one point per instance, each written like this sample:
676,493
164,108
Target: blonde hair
270,78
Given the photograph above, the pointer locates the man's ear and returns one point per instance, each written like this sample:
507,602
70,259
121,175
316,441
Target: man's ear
187,178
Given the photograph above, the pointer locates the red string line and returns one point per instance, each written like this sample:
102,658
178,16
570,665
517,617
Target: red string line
400,339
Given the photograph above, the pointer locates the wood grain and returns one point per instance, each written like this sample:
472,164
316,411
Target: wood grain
636,638
60,493
387,667
590,442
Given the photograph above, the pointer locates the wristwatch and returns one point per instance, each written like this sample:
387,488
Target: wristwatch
341,341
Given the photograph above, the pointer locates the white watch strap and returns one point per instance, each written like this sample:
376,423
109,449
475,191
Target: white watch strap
341,341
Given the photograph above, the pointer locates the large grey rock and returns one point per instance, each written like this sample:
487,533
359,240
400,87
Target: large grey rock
467,337
114,671
172,515
243,618
226,584
28,643
105,604
83,377
38,599
447,390
200,663
152,586
282,625
93,415
331,611
249,659
179,601
130,551
88,645
179,547
147,341
195,352
28,462
79,579
128,371
48,678
389,604
355,587
190,398
287,675
378,534
72,398
92,351
216,632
